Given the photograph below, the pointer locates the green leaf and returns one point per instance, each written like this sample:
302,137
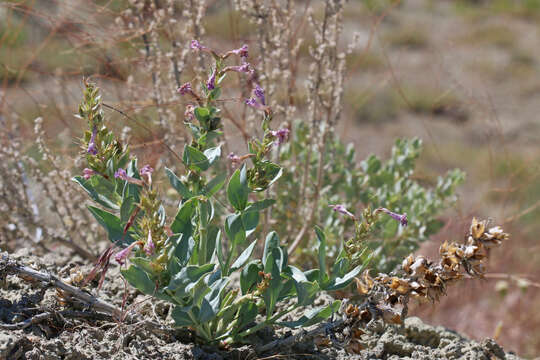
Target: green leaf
214,185
126,209
181,318
202,114
113,226
97,196
243,258
187,278
182,248
145,264
212,301
305,290
250,276
260,205
271,242
234,228
213,154
182,222
321,237
250,219
341,282
194,159
238,190
314,316
137,278
178,185
214,94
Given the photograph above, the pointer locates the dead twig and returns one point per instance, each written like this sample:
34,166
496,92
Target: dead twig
301,336
10,266
91,315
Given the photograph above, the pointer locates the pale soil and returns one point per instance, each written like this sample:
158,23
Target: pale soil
78,339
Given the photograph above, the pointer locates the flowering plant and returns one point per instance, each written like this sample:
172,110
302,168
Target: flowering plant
190,260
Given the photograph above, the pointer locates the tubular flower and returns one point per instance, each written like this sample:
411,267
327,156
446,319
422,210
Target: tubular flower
281,135
242,52
235,159
255,104
259,93
149,248
147,171
244,68
342,210
121,174
189,114
211,83
185,89
87,173
401,218
122,255
195,45
92,149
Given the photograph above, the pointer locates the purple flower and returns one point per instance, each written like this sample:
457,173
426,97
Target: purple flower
185,89
281,135
87,173
235,159
244,68
243,51
121,174
342,210
122,255
146,170
402,218
189,112
92,143
149,248
259,92
254,104
211,83
195,45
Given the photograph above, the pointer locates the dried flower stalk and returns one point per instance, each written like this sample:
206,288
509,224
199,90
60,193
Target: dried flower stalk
387,296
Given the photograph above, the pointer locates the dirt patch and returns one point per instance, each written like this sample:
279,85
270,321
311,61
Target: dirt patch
65,335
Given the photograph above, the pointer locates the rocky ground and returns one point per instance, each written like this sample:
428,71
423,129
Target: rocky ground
99,337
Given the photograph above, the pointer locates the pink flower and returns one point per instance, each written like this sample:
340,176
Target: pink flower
146,170
189,113
150,247
244,68
342,210
255,104
121,174
211,83
281,135
259,92
122,255
195,45
185,89
402,218
92,149
87,173
243,51
235,159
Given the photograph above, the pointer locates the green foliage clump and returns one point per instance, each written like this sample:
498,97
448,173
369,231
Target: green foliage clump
372,184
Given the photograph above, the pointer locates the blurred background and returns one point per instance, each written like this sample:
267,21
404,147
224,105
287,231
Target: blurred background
461,75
